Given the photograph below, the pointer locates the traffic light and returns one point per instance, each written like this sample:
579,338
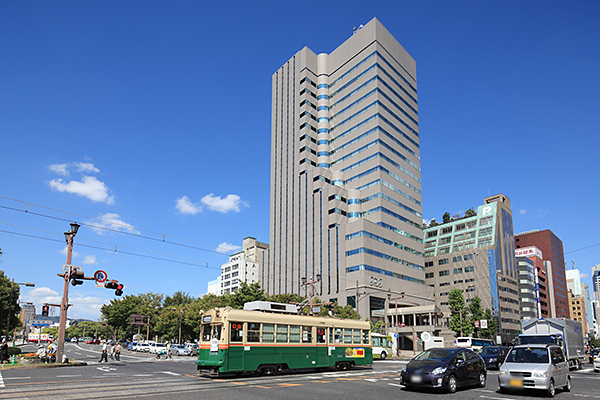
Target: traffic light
110,285
45,310
76,278
115,285
119,290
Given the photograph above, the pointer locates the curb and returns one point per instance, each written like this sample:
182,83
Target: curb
38,366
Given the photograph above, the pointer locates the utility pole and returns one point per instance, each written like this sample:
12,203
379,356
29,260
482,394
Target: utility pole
64,305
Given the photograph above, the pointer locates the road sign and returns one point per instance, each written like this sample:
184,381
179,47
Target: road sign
403,324
484,324
34,322
100,276
67,267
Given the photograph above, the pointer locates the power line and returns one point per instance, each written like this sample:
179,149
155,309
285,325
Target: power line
120,251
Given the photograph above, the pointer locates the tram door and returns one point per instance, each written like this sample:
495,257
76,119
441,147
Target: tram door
322,350
236,348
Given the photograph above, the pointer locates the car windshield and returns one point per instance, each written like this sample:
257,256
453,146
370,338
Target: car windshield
435,354
489,350
528,355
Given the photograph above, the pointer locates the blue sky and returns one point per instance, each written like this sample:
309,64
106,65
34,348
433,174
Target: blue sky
156,116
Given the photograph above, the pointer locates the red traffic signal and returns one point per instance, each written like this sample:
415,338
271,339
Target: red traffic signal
119,290
45,310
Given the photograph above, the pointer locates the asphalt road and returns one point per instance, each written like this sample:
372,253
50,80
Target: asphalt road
142,376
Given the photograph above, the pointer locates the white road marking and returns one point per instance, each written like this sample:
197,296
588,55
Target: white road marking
19,377
66,376
395,384
142,375
370,379
1,381
170,373
493,398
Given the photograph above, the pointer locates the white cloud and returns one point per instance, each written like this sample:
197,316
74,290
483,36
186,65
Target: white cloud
60,169
89,187
41,292
112,221
225,248
522,211
86,167
231,202
66,249
584,275
90,259
185,206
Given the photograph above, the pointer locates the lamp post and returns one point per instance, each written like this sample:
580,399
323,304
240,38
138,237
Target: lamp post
12,285
64,305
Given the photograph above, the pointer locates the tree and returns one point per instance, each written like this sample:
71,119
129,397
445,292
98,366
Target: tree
247,293
178,299
446,217
376,326
476,315
7,302
470,213
118,312
433,223
491,330
459,316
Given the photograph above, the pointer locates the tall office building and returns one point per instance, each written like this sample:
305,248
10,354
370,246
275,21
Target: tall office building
554,259
345,174
476,255
596,282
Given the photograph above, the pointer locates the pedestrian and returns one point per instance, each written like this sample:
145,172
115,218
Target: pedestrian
104,355
118,352
112,351
4,352
168,346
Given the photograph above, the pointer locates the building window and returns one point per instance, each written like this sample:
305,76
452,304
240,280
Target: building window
443,261
445,240
446,230
444,272
429,244
458,271
432,234
445,250
486,221
429,275
460,227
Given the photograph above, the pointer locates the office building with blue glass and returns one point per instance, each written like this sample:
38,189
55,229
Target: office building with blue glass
476,255
346,211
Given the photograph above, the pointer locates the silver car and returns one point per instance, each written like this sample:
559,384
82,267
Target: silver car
179,350
535,366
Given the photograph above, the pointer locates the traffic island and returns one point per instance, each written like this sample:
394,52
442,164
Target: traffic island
33,361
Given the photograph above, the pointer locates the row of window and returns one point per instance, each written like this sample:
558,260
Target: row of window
283,333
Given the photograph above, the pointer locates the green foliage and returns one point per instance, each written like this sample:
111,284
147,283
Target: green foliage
247,293
433,223
470,213
14,351
377,326
476,314
446,217
459,315
51,331
178,299
6,302
595,343
490,332
79,329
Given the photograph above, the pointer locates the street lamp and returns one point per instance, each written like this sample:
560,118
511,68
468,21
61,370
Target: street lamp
64,305
12,284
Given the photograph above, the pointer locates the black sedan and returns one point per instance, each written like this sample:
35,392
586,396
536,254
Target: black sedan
445,369
493,355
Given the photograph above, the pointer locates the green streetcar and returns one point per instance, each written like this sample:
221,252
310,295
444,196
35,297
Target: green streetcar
266,340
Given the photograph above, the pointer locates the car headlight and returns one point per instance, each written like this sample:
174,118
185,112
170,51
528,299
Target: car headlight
438,371
503,372
540,374
403,369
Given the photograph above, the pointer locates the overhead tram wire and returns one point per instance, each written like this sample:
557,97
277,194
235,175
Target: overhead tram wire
27,211
116,250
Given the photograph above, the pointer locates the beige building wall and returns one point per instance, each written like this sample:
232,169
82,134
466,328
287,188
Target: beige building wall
345,173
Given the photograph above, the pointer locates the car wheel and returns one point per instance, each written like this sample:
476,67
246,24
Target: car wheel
551,390
503,390
408,387
481,379
383,355
451,384
567,387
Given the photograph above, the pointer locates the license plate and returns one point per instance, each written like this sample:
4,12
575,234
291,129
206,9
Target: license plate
416,379
515,383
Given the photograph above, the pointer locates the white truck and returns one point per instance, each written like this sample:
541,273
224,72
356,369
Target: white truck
567,333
